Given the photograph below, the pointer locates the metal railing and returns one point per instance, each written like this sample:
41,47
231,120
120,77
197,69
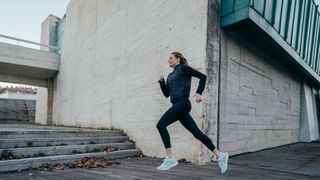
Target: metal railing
57,49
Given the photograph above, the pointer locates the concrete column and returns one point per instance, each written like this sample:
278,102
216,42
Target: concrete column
309,128
48,32
50,101
41,105
45,96
211,112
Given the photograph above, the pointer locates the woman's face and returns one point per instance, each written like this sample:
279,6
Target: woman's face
173,61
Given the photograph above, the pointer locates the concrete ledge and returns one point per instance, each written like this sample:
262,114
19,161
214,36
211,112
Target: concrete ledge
30,142
48,134
60,150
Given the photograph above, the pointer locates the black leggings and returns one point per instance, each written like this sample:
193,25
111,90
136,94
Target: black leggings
180,111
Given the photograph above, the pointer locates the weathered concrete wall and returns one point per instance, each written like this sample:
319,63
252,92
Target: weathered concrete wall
210,111
113,55
260,99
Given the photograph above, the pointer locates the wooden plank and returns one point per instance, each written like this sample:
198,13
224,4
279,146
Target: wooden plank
293,161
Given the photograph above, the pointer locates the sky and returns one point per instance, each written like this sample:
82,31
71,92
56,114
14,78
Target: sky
22,18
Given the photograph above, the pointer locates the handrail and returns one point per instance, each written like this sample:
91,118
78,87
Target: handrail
30,42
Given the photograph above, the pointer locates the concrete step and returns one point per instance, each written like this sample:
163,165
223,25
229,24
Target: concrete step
26,163
33,145
34,142
60,150
57,133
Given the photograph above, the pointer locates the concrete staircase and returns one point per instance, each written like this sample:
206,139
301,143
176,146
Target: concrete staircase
22,148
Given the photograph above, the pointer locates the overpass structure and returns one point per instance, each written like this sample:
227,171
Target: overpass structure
26,65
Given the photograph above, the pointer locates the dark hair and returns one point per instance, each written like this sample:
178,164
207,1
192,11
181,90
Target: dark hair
183,60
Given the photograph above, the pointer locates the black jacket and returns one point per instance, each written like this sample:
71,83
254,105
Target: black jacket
179,82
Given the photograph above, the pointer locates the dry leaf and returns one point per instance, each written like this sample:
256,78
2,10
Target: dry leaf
110,149
59,166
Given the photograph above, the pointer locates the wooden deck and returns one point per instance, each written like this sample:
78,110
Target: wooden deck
295,161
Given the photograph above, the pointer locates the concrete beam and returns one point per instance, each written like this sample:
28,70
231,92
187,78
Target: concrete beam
27,62
22,80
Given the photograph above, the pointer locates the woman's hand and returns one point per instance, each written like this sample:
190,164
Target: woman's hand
161,78
199,98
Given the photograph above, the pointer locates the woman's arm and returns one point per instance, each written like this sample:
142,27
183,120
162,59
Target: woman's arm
187,70
164,88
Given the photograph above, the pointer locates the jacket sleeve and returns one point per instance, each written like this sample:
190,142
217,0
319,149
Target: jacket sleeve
187,70
164,88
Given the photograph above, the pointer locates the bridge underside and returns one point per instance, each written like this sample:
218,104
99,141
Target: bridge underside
27,66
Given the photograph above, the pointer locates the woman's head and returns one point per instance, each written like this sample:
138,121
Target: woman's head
177,58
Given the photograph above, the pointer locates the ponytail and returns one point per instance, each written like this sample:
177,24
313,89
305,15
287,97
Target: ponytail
183,60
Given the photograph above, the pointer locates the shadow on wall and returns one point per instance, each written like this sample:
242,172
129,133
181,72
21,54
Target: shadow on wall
17,110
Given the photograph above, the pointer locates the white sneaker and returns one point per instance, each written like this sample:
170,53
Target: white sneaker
223,161
168,163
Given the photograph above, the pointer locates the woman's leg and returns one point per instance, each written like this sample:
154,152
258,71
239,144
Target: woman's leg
189,124
175,112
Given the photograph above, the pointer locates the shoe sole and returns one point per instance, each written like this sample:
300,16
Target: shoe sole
169,167
227,158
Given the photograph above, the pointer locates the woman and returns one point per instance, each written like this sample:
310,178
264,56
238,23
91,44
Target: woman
178,88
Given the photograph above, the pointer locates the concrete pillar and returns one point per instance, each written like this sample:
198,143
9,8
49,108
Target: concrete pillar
50,101
210,124
41,105
48,32
309,127
45,97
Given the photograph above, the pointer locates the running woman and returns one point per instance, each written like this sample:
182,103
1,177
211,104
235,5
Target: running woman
177,86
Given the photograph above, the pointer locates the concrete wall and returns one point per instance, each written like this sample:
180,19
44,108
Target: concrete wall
260,99
113,55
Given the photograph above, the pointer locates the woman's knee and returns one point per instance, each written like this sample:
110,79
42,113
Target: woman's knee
160,125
